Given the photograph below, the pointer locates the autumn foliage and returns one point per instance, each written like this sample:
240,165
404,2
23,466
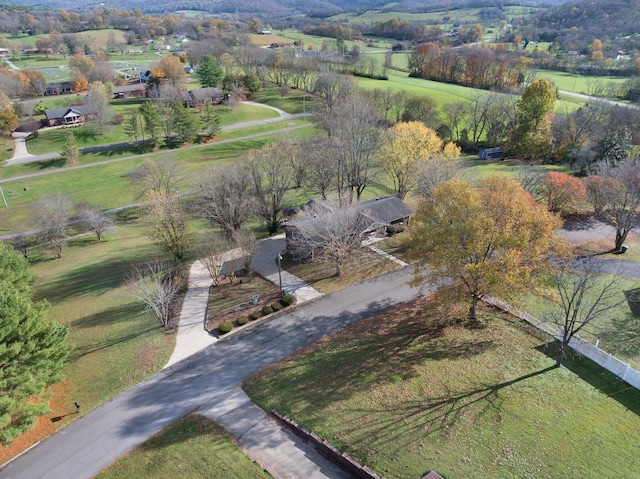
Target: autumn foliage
490,239
562,192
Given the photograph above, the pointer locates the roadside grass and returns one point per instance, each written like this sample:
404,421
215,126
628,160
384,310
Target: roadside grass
193,447
320,273
616,331
116,344
294,102
396,245
601,248
407,391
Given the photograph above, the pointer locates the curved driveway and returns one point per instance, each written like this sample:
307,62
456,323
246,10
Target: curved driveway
91,443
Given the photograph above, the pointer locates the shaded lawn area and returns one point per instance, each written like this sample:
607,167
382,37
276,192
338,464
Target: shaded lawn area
408,391
194,447
320,273
116,344
601,248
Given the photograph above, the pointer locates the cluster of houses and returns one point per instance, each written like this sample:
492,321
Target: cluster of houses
79,114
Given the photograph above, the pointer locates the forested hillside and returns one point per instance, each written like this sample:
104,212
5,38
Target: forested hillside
575,24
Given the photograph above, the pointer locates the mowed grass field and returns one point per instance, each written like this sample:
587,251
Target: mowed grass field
409,391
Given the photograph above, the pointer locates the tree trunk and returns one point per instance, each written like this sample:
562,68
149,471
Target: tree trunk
472,308
338,272
563,349
621,236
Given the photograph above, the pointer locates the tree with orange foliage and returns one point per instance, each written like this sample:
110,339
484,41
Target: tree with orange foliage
490,239
170,68
561,192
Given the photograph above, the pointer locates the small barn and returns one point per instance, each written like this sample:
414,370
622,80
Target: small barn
491,154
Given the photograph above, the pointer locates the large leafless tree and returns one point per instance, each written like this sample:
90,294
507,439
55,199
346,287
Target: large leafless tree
52,214
157,286
271,176
622,196
583,296
165,176
336,232
225,197
94,219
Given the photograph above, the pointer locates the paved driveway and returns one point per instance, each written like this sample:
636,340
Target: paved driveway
91,443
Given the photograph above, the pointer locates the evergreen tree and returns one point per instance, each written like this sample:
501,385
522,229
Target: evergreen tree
209,71
32,348
151,118
210,120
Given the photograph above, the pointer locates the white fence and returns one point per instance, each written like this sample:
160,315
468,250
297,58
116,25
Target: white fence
610,363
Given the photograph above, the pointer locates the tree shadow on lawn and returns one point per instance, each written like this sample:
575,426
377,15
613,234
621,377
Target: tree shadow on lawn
94,278
598,377
624,332
109,317
375,353
96,346
438,414
46,164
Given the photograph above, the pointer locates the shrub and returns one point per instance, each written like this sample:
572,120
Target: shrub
288,299
277,306
242,320
392,230
225,327
267,310
255,315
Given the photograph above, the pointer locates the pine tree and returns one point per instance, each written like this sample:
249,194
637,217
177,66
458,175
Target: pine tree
32,348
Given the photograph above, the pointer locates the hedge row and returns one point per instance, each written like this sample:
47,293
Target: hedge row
287,300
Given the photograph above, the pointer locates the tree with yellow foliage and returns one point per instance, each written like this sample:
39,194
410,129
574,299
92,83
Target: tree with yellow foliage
8,117
408,146
492,238
170,68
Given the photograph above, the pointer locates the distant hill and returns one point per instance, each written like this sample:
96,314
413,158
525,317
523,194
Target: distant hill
270,9
575,24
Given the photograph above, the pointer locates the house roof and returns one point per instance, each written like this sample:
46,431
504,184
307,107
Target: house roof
201,94
383,210
129,88
62,112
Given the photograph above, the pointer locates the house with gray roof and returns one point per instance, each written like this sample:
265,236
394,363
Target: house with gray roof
71,115
376,215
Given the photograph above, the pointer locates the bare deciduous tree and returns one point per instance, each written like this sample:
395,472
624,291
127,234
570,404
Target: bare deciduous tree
164,176
320,165
582,296
225,197
157,286
245,240
353,126
336,232
622,197
271,177
213,256
96,220
435,172
52,213
169,224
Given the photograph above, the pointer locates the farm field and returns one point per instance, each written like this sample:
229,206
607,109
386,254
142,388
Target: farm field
409,391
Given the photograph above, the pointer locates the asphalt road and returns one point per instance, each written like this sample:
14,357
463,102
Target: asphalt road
91,443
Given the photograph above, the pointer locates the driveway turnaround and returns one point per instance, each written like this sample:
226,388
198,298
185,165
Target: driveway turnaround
91,443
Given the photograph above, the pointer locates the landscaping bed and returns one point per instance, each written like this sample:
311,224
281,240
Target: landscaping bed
244,300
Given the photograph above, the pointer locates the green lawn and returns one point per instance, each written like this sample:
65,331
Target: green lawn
579,83
194,447
408,391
